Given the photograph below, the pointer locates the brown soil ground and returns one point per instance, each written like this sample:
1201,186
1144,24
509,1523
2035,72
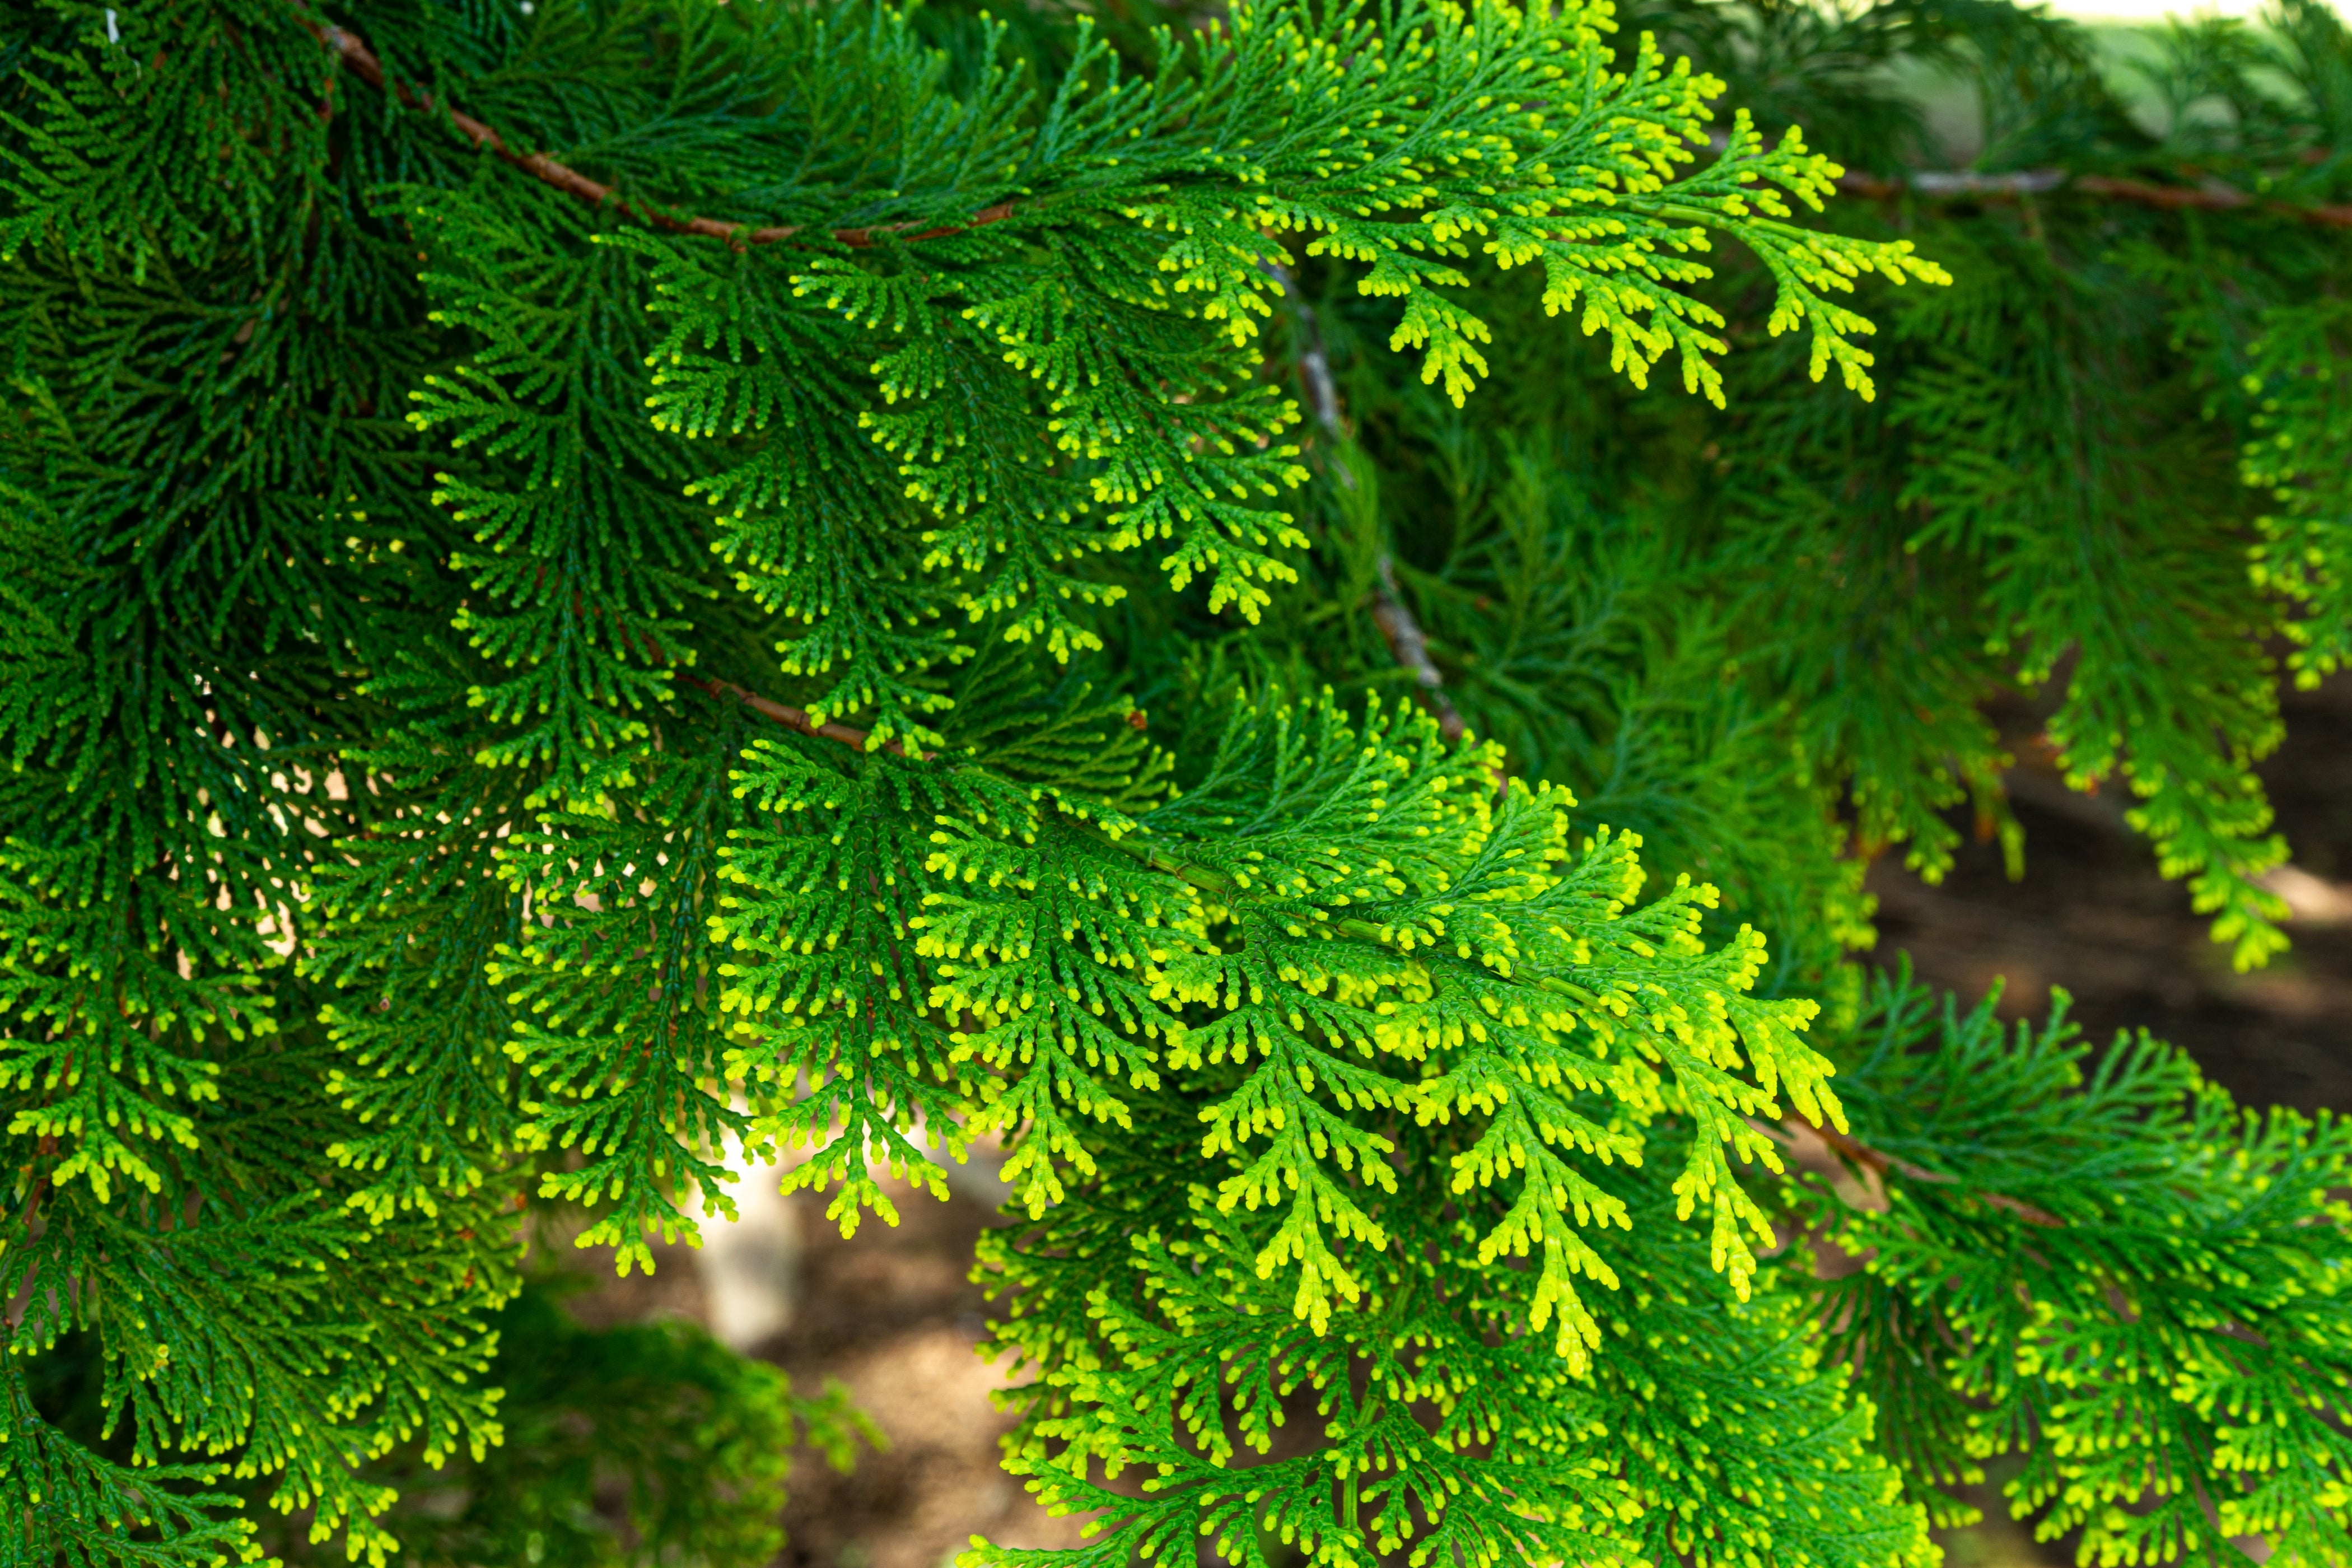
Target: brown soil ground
892,1314
2091,916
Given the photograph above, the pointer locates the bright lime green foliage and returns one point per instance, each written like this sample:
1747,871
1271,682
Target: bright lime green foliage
1331,928
847,646
1447,1435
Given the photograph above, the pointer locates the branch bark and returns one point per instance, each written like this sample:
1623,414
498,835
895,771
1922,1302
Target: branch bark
1855,1151
1408,643
791,718
1411,646
46,1149
1314,363
364,64
2212,196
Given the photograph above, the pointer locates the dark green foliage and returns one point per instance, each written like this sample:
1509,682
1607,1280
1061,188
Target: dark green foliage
647,1443
2303,453
844,642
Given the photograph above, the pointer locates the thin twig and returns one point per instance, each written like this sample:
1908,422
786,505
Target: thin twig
1411,646
540,166
791,718
1406,640
1860,1153
2210,196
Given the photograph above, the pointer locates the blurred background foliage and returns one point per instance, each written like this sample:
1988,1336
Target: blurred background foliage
643,1442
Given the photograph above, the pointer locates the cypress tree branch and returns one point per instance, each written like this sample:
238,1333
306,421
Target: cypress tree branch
1213,883
1220,885
1225,993
364,63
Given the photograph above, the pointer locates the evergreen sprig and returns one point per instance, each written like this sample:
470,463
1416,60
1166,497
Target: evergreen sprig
591,587
2106,1266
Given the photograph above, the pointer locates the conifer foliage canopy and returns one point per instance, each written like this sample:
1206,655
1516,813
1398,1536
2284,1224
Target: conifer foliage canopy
590,582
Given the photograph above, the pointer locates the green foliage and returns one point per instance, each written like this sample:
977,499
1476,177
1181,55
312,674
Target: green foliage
1703,1427
2302,456
646,1443
842,642
245,1308
1814,594
2108,1266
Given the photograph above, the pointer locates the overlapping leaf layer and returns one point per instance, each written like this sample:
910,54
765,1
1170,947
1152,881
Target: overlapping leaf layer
582,584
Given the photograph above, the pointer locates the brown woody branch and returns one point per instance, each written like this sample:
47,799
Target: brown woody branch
540,166
791,718
46,1149
1314,363
43,1150
1407,642
2209,196
1855,1151
1411,646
